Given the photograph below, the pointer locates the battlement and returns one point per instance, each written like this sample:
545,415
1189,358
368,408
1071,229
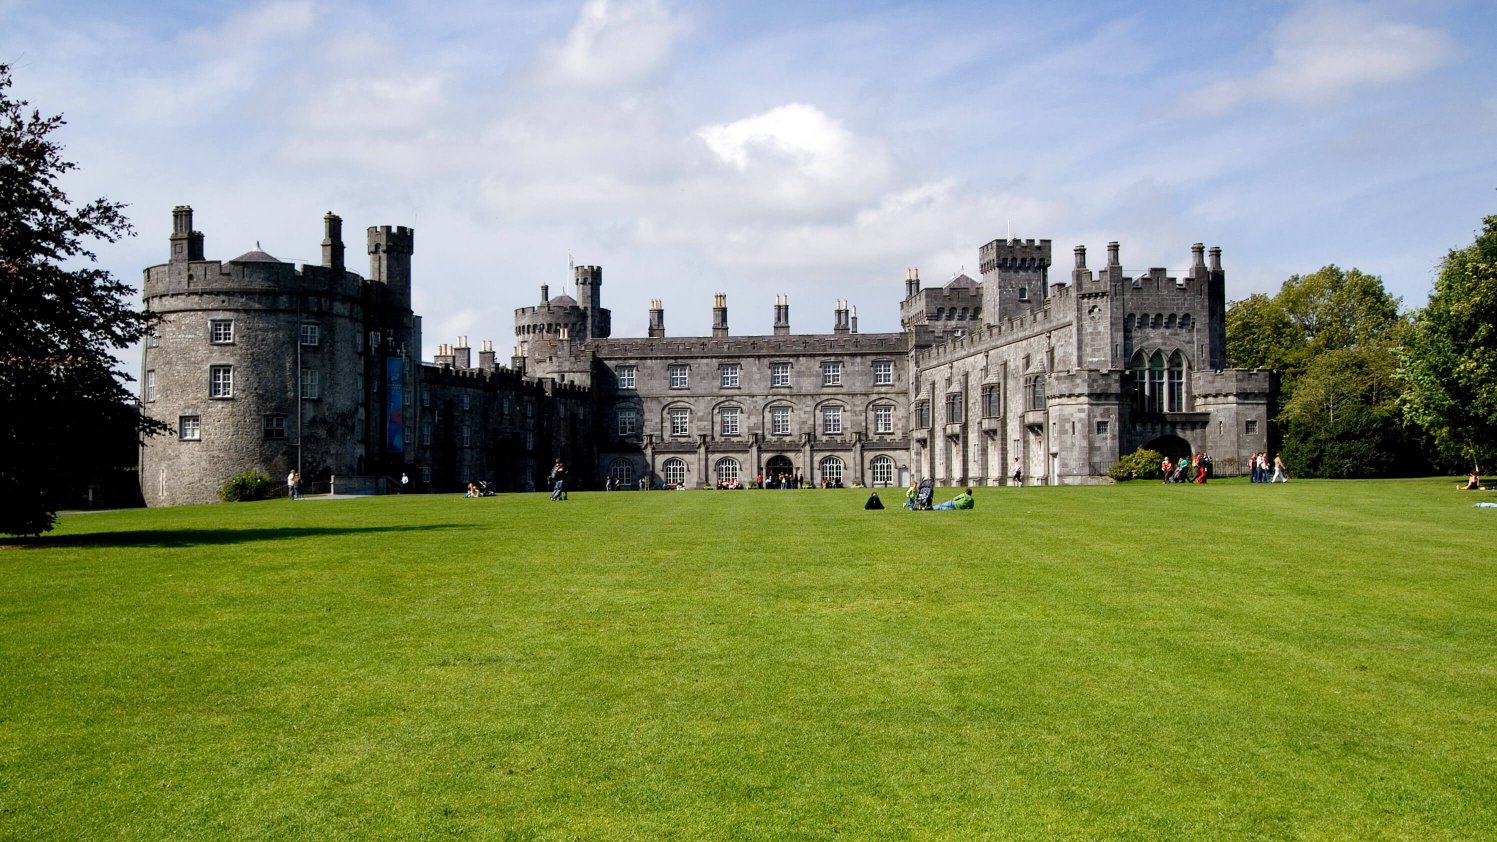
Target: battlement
588,274
391,239
1014,255
739,346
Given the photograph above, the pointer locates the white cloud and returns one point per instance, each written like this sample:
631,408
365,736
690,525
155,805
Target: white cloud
614,43
1324,51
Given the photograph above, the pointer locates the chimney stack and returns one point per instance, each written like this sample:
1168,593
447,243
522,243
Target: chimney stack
719,314
657,319
332,242
781,315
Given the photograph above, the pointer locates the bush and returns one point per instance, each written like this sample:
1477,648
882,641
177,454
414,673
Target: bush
250,485
1140,464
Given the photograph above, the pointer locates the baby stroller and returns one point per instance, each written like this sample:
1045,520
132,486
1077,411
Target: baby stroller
484,490
923,495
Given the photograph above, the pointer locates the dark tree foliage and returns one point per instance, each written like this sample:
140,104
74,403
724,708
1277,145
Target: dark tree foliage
59,388
1331,336
1448,361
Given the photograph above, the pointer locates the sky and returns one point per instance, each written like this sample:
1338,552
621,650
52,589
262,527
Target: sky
817,150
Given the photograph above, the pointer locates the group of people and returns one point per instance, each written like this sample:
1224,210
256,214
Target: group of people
1262,469
1195,469
918,497
558,479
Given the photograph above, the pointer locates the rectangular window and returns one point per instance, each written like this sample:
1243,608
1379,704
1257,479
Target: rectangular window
831,421
628,423
730,376
678,374
220,331
922,414
275,426
467,441
311,335
220,381
1102,428
831,374
883,419
190,427
626,377
779,374
425,397
309,389
779,421
883,373
1252,427
680,422
426,474
729,421
529,440
150,386
992,401
465,402
426,432
954,408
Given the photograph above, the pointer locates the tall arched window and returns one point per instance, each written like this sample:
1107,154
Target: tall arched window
1037,391
674,472
1175,399
831,470
881,471
622,473
726,470
1155,392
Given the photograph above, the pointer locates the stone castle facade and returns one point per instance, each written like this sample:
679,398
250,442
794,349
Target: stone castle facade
261,365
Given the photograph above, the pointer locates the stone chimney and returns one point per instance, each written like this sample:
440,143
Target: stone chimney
781,315
720,314
657,319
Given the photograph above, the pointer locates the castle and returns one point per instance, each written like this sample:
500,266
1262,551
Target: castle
259,364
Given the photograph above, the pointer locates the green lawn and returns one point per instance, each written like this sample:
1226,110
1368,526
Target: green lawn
1312,660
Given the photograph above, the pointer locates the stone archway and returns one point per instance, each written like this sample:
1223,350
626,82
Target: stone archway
1172,446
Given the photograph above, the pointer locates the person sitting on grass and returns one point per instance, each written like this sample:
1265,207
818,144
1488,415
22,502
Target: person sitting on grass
1473,483
873,502
960,501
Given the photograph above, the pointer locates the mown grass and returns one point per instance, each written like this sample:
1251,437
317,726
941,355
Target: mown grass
1314,660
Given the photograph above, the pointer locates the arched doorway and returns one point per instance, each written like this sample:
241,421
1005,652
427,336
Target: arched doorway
778,469
1172,446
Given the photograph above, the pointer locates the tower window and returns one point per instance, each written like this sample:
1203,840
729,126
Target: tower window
221,331
221,381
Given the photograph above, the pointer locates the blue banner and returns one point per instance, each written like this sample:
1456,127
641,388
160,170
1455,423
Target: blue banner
395,405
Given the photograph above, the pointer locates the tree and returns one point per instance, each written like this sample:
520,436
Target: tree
1330,335
58,325
1448,361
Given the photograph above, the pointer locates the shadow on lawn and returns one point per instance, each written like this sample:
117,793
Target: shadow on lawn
202,537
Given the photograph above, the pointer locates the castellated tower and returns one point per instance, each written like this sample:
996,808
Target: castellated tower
390,251
589,280
260,365
1014,277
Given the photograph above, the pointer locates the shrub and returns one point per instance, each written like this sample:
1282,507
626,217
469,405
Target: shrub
1140,464
250,485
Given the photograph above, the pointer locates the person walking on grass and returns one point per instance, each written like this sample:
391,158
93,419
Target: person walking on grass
293,485
1278,469
558,481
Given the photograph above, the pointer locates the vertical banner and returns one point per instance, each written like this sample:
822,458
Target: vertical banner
395,404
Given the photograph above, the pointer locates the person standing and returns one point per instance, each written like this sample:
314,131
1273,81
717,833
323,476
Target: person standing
293,485
909,495
405,482
558,481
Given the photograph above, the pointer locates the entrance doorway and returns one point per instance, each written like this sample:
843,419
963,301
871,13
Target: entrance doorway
777,470
1172,446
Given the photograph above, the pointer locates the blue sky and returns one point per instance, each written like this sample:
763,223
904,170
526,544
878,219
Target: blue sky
812,149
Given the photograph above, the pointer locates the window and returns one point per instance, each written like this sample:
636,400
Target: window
883,419
1023,293
730,376
954,408
726,470
883,373
621,471
680,421
275,427
426,432
190,427
831,471
779,420
992,401
1175,396
221,381
831,374
153,339
221,331
465,437
779,374
529,440
1252,426
311,335
881,470
426,474
674,472
728,421
1037,392
628,422
426,397
1102,428
678,376
922,414
150,386
465,402
626,379
309,390
831,420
